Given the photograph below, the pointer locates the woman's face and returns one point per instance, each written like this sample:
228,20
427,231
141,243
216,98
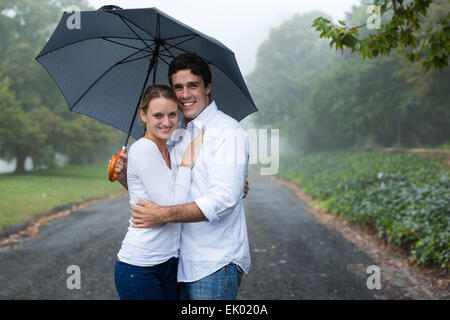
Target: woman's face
161,118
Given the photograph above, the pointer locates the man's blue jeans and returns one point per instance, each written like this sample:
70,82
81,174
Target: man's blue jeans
220,285
147,283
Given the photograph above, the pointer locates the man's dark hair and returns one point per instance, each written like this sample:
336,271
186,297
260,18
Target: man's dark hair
190,61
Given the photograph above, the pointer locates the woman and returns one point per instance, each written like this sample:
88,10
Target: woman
147,261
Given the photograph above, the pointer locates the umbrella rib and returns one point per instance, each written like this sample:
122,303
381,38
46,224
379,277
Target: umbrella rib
137,26
160,57
155,70
177,44
123,20
141,49
149,70
93,38
164,61
125,45
146,56
174,46
158,26
154,53
209,62
185,51
143,57
177,37
156,47
98,79
167,49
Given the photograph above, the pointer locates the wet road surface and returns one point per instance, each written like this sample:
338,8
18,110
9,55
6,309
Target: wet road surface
294,256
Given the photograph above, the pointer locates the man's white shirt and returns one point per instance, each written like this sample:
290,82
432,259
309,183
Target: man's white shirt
217,187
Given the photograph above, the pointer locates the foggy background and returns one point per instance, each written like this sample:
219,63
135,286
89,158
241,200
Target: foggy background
241,25
243,28
368,140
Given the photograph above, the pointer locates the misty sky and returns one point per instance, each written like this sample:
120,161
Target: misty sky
242,25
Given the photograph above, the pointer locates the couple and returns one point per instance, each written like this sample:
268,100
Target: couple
191,227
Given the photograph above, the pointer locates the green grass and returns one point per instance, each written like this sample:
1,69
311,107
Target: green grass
404,197
25,195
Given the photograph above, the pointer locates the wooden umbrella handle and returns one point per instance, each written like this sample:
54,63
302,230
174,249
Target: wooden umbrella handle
111,174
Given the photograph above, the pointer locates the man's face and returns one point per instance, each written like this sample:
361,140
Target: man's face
191,92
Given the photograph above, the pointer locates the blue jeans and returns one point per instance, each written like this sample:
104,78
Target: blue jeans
157,282
220,285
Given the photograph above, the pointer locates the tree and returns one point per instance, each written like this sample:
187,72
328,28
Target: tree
360,104
407,29
33,113
17,132
281,81
322,101
386,101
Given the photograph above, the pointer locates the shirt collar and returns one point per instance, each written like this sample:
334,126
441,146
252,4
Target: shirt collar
201,120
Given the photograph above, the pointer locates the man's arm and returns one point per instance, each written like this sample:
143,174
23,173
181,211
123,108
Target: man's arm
226,170
226,186
149,214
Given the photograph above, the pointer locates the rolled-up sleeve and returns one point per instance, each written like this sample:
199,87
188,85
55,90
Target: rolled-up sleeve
227,167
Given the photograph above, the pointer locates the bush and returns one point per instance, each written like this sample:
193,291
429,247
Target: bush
405,197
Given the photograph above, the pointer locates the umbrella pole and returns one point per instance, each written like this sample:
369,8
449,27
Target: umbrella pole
150,68
111,174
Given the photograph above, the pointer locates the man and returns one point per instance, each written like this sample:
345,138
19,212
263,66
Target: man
214,251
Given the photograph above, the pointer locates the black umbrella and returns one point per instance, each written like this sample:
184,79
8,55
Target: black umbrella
103,67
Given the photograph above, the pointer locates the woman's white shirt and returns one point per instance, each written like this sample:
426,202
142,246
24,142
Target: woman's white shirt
150,179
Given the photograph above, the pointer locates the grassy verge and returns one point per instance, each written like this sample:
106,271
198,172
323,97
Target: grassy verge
405,198
25,195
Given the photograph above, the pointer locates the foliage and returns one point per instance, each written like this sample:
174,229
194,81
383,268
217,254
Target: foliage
408,30
385,102
285,64
34,120
321,100
405,198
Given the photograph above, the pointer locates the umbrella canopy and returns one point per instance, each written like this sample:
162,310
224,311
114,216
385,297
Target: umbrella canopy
103,67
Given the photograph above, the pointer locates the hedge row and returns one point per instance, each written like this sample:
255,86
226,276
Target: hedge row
405,197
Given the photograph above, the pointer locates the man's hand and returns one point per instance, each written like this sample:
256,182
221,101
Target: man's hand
246,188
150,214
121,169
147,215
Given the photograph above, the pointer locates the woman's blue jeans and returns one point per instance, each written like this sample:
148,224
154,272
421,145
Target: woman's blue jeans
220,285
157,282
